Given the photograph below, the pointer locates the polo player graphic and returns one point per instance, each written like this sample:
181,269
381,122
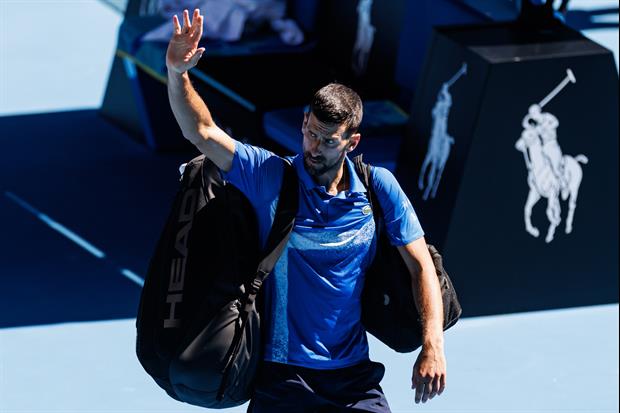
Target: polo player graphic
440,142
550,173
365,37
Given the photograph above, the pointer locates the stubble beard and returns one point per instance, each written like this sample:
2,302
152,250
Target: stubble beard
320,169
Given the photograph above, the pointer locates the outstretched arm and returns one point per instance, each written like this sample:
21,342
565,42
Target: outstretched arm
429,371
189,109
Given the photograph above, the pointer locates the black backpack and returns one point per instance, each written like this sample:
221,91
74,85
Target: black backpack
198,328
388,309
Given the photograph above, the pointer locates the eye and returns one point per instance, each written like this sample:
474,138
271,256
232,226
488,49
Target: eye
330,141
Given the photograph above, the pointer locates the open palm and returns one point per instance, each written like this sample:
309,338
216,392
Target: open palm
183,52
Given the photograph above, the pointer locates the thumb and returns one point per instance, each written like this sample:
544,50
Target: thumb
196,57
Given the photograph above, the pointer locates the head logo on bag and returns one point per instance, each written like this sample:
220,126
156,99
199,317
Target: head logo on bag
178,266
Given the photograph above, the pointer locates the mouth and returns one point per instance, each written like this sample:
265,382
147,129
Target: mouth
314,160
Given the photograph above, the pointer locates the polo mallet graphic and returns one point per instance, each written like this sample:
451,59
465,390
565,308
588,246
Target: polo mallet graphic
461,72
570,78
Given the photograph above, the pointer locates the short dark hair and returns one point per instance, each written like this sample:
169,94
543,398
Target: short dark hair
338,104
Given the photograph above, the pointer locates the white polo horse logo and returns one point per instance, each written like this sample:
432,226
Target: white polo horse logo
550,174
364,39
440,142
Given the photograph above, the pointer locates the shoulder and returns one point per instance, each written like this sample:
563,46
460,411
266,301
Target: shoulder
383,180
391,196
256,154
249,158
256,171
401,221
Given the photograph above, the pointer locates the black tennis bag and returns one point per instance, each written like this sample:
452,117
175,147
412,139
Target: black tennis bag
388,308
198,326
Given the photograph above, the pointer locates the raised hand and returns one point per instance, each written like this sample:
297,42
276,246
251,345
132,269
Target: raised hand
183,52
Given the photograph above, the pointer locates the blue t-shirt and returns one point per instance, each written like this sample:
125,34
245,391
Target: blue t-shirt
313,295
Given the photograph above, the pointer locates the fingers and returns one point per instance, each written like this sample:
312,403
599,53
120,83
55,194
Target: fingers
186,24
193,26
177,26
419,391
423,389
199,30
428,390
418,383
428,387
197,20
442,384
434,388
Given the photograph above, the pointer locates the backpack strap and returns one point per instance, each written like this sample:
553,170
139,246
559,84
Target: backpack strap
364,172
280,232
284,221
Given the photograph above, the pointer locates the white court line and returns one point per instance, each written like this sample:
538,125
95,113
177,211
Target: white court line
57,226
71,235
133,276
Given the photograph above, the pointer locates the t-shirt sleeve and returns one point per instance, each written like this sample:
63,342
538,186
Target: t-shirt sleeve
401,221
255,171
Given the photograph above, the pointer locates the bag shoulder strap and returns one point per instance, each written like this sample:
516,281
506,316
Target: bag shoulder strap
283,223
364,172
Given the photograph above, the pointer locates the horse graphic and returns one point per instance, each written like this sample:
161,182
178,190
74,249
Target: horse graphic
440,142
550,174
364,39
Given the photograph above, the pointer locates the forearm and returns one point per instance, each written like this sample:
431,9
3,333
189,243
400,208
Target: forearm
189,109
427,296
426,290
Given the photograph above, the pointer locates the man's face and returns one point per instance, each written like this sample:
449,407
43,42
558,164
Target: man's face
325,145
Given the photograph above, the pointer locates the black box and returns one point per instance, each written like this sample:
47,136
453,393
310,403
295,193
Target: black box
524,112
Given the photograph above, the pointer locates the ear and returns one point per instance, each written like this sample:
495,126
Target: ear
305,122
354,140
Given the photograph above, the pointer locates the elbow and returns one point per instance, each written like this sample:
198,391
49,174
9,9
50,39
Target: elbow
197,135
192,137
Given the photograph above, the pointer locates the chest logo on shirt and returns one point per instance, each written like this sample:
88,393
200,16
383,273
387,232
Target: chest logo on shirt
367,210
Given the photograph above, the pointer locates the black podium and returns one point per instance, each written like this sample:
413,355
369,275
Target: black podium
512,165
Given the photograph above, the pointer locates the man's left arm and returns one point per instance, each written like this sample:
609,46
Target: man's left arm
429,370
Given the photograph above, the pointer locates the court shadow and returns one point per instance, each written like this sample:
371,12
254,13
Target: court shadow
77,170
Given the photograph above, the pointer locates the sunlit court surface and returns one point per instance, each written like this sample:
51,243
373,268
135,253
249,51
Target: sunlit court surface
529,362
81,209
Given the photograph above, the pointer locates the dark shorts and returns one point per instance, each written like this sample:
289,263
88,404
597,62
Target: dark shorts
282,388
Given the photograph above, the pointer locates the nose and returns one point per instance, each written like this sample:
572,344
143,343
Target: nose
520,145
314,145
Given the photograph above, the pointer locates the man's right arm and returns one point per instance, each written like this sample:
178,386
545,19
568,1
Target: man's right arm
189,109
196,122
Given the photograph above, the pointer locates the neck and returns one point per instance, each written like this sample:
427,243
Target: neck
335,180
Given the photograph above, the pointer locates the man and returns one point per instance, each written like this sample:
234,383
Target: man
315,350
438,146
548,132
546,125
